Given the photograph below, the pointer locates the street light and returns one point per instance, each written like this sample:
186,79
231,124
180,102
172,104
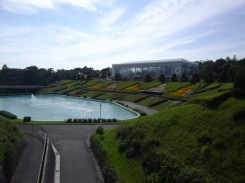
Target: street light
100,114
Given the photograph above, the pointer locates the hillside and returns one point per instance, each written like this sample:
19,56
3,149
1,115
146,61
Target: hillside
192,142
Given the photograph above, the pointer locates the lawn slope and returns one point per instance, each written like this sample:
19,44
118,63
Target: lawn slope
187,143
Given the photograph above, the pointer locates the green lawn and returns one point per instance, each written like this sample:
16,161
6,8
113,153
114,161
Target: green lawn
163,105
124,84
172,86
150,100
133,97
111,95
148,85
178,130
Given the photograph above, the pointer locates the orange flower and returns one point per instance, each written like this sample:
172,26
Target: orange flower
135,87
182,91
95,86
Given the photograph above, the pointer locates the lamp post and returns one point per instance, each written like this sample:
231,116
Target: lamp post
100,114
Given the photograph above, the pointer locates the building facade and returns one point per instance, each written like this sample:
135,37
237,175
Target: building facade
167,67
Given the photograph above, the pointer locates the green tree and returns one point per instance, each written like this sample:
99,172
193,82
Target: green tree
174,78
209,78
147,78
162,78
195,78
239,81
184,78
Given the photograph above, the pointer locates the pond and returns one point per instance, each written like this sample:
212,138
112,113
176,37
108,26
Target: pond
51,107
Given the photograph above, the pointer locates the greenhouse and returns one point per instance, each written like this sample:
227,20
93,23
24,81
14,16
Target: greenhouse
167,67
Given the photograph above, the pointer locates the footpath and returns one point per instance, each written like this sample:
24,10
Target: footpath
29,163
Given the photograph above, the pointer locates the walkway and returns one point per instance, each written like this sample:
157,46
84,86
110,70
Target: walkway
140,107
70,141
29,164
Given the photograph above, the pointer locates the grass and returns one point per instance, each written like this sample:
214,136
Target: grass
163,105
133,97
172,86
92,94
150,100
179,128
124,84
148,85
134,173
111,95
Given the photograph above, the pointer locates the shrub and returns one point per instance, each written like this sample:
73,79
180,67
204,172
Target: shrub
238,93
151,162
7,114
108,172
204,139
69,120
124,131
100,130
239,115
27,118
219,144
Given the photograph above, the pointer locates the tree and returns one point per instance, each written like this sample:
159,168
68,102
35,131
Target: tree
147,78
239,81
162,78
118,76
174,78
209,78
184,78
4,67
195,78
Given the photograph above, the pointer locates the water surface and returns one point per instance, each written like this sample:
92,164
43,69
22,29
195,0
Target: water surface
59,107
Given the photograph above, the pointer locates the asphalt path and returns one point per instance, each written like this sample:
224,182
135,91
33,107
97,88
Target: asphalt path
70,141
29,163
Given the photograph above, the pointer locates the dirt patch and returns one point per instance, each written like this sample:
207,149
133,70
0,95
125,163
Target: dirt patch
159,88
112,87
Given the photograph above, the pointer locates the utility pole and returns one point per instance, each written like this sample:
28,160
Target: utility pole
100,114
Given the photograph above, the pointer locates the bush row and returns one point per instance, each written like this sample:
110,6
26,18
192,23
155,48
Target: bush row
109,174
91,120
213,100
8,114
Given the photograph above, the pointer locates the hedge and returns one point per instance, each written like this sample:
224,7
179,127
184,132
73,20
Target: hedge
211,101
8,114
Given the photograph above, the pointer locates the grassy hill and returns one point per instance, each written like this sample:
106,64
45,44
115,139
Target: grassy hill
192,142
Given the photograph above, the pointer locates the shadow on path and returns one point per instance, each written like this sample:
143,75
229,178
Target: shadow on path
70,141
29,164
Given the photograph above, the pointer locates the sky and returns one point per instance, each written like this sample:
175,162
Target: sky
65,34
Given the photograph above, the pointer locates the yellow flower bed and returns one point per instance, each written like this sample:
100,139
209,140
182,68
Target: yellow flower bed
182,91
135,87
95,86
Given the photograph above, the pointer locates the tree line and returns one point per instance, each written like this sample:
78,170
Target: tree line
33,75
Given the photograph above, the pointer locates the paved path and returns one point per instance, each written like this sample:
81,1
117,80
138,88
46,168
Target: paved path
29,164
70,141
140,107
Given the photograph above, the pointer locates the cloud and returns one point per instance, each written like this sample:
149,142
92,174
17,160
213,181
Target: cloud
33,6
162,29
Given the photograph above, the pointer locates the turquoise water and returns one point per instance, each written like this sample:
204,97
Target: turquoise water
59,107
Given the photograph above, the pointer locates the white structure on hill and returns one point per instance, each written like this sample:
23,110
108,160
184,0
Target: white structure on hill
167,67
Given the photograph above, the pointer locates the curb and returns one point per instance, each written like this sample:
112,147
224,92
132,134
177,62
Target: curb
95,163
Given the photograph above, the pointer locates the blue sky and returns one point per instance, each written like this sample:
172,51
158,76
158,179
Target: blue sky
65,34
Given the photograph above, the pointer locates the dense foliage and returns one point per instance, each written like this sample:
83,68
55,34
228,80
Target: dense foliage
10,145
39,76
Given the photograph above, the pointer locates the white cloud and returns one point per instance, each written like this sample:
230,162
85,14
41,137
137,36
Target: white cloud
152,33
33,6
111,17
